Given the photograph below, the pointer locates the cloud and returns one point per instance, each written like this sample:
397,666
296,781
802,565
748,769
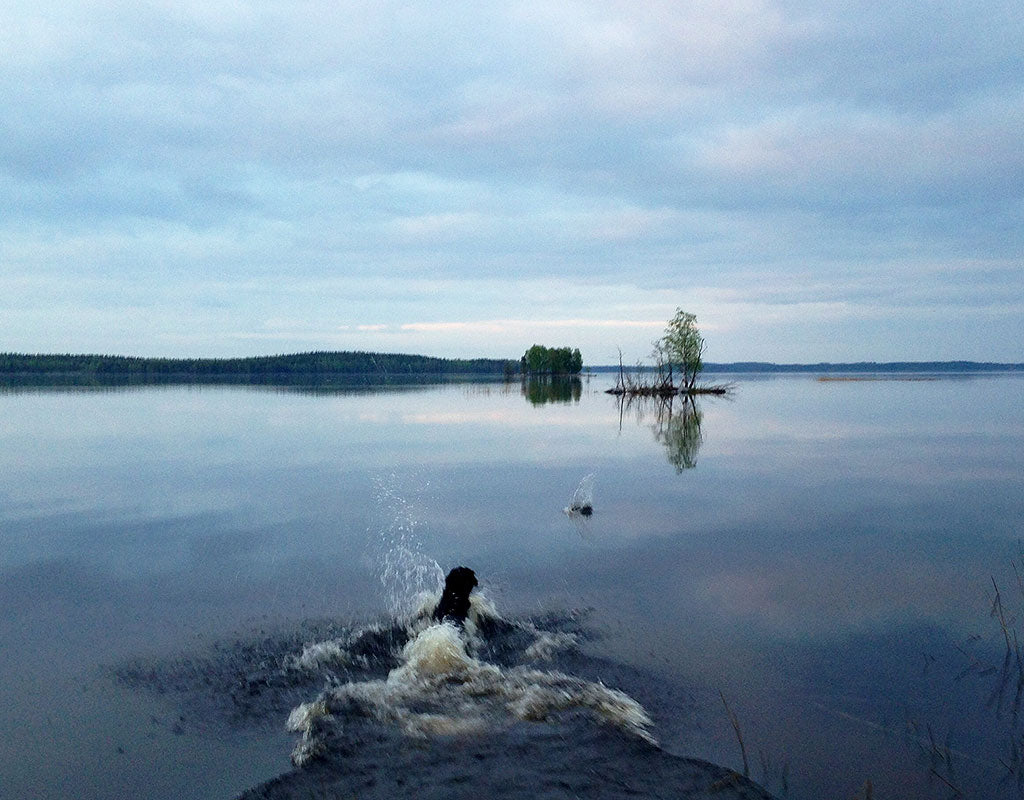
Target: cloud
828,155
215,162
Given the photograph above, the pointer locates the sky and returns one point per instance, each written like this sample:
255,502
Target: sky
816,181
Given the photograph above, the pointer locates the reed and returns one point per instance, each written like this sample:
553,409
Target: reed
734,721
1006,694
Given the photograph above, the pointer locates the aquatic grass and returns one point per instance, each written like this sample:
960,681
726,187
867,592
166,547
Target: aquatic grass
771,774
1005,696
734,721
995,664
941,756
957,792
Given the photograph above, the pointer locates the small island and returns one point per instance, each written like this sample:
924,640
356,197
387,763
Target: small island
540,360
679,352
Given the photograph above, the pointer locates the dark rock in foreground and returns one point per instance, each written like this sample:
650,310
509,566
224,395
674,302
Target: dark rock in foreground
571,758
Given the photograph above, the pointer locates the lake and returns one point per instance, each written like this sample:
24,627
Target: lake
823,556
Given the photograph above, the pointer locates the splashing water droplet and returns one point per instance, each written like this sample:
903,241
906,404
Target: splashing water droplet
406,572
582,501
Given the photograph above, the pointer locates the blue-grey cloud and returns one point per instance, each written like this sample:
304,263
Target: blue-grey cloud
839,170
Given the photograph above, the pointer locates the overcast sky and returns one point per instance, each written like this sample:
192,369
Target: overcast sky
814,180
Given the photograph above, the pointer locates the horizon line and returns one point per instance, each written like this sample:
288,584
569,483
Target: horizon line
707,365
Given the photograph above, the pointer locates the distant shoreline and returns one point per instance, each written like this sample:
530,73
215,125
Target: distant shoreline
850,367
323,363
349,368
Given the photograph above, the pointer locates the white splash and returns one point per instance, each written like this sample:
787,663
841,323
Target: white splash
440,688
547,644
406,572
438,650
303,720
582,501
321,654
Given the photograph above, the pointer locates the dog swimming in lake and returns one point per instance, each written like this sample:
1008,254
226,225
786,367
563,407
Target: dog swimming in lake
454,603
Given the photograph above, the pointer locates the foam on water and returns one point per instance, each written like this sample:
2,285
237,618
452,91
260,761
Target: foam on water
438,650
582,500
547,644
441,686
319,654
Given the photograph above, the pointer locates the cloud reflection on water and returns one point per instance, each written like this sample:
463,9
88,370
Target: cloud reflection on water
823,539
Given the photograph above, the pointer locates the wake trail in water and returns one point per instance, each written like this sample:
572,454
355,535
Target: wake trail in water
409,706
425,677
443,684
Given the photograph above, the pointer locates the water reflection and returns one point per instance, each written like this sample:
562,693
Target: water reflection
302,383
676,425
829,566
543,389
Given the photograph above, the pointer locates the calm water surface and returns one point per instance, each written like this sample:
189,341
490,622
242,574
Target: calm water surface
824,554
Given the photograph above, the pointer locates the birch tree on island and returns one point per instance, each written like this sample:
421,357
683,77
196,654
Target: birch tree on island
683,346
680,349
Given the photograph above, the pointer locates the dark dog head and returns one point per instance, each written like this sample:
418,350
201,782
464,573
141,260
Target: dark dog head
454,604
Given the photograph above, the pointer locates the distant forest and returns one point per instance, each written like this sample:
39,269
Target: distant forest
343,368
854,367
259,368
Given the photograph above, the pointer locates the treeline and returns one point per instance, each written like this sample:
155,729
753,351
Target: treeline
855,367
255,368
540,360
868,366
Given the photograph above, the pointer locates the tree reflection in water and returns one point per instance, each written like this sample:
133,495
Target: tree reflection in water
676,425
542,389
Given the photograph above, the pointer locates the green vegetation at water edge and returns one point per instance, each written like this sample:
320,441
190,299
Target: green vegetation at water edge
540,360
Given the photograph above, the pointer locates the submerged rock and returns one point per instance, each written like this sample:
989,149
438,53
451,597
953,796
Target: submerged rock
570,758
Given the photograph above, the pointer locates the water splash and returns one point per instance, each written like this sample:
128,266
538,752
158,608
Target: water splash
443,685
582,501
407,574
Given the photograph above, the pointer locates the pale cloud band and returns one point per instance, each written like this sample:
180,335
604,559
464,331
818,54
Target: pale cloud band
516,325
